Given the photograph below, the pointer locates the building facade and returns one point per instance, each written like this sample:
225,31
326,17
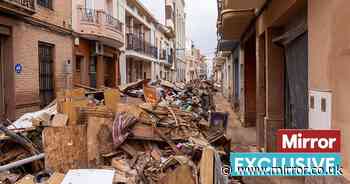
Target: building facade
176,20
99,30
190,60
165,41
141,52
293,69
35,46
196,64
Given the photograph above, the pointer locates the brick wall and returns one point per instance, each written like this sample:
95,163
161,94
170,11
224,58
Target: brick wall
60,14
24,50
25,45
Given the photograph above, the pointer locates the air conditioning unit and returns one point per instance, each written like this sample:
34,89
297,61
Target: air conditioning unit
97,48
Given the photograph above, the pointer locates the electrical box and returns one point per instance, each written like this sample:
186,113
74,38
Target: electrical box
320,109
68,67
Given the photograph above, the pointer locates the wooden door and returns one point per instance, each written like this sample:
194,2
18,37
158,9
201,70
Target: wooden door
110,72
2,95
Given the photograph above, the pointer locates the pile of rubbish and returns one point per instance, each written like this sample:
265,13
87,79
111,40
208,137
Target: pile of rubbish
170,134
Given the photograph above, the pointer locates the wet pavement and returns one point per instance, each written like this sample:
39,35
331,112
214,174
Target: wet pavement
242,139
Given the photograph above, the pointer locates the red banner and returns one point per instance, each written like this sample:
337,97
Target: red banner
325,141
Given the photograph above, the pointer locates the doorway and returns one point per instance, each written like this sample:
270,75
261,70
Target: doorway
2,95
46,74
110,72
296,80
236,85
92,71
250,82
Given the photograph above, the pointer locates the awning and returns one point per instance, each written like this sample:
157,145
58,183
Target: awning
227,45
219,60
235,22
236,15
242,4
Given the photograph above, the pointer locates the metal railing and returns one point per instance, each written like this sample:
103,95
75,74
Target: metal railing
30,4
170,59
99,17
138,44
163,54
89,15
112,22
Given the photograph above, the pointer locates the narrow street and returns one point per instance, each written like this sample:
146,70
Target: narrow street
242,139
174,91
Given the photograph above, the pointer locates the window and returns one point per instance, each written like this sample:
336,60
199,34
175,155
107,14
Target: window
323,105
78,64
46,74
312,102
45,3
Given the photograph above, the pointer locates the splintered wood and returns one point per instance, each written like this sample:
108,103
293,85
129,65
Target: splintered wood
69,102
99,139
112,98
206,166
65,148
182,174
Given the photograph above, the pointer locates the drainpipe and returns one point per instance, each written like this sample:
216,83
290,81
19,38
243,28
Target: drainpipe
21,162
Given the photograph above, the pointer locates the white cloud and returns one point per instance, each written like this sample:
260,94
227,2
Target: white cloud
200,21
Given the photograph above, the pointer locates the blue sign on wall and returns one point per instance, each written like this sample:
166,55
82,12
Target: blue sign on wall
18,68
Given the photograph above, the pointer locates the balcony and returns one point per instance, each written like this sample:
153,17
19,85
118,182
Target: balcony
99,25
235,22
227,45
170,59
20,7
235,17
242,4
138,44
163,54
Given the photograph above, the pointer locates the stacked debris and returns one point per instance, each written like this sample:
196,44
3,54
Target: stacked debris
174,136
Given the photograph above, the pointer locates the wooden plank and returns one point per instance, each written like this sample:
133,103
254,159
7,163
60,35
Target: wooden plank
65,148
144,132
129,149
78,93
56,178
182,174
71,108
206,166
28,179
112,98
132,109
99,140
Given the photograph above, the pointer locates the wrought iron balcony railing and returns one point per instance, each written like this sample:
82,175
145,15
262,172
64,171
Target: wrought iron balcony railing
89,16
138,44
170,59
112,22
163,54
100,18
24,6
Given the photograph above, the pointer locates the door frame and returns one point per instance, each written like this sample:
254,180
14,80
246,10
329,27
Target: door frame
2,81
52,48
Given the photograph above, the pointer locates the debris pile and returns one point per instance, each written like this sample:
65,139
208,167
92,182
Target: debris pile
171,135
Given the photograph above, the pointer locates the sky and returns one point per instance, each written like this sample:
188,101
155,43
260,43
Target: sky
200,22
